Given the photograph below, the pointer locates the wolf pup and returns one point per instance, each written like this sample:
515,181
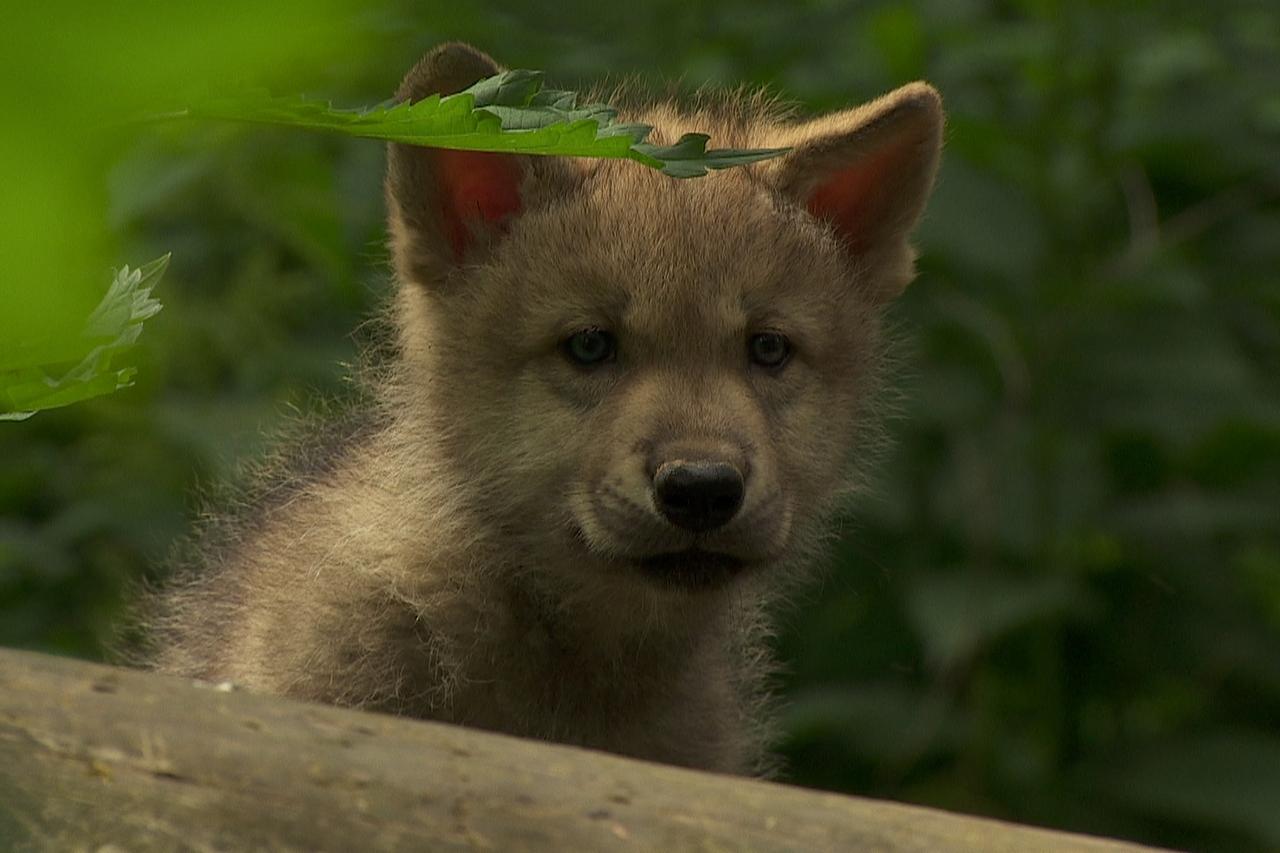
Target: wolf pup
621,410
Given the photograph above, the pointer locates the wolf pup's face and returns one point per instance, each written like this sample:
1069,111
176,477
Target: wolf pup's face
660,378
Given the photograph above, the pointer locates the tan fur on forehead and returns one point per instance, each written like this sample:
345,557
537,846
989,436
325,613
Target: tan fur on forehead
736,117
635,250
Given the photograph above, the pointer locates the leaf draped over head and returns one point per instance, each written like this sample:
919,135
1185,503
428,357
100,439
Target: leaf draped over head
509,113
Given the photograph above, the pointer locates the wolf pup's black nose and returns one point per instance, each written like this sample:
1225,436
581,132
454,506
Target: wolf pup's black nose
698,495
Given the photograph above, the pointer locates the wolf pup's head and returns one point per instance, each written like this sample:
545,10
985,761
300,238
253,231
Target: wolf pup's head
649,382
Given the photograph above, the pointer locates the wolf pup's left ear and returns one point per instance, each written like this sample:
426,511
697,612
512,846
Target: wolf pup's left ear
868,172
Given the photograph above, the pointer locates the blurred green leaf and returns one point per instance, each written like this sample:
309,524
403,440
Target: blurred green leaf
889,723
960,613
984,223
33,374
1229,780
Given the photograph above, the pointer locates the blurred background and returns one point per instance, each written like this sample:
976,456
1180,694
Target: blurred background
1061,603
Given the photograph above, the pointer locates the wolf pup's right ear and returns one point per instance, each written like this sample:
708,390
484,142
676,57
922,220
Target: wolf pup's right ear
446,207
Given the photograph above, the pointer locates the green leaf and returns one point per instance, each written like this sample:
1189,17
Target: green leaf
36,375
1227,778
507,113
957,614
892,723
689,157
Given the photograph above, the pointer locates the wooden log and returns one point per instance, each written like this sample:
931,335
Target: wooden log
103,759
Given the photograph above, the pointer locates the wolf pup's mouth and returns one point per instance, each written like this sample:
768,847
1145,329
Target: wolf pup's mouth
692,568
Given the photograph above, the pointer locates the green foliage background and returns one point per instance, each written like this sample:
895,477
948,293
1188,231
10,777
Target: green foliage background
1062,603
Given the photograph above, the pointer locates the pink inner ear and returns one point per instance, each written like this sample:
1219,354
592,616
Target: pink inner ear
857,200
475,187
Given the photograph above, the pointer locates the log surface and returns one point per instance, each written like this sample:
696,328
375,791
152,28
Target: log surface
104,759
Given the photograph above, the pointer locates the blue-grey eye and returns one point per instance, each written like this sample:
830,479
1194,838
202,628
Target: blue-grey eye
590,347
769,349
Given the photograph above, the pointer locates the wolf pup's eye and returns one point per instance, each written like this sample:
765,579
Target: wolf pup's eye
769,349
590,347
